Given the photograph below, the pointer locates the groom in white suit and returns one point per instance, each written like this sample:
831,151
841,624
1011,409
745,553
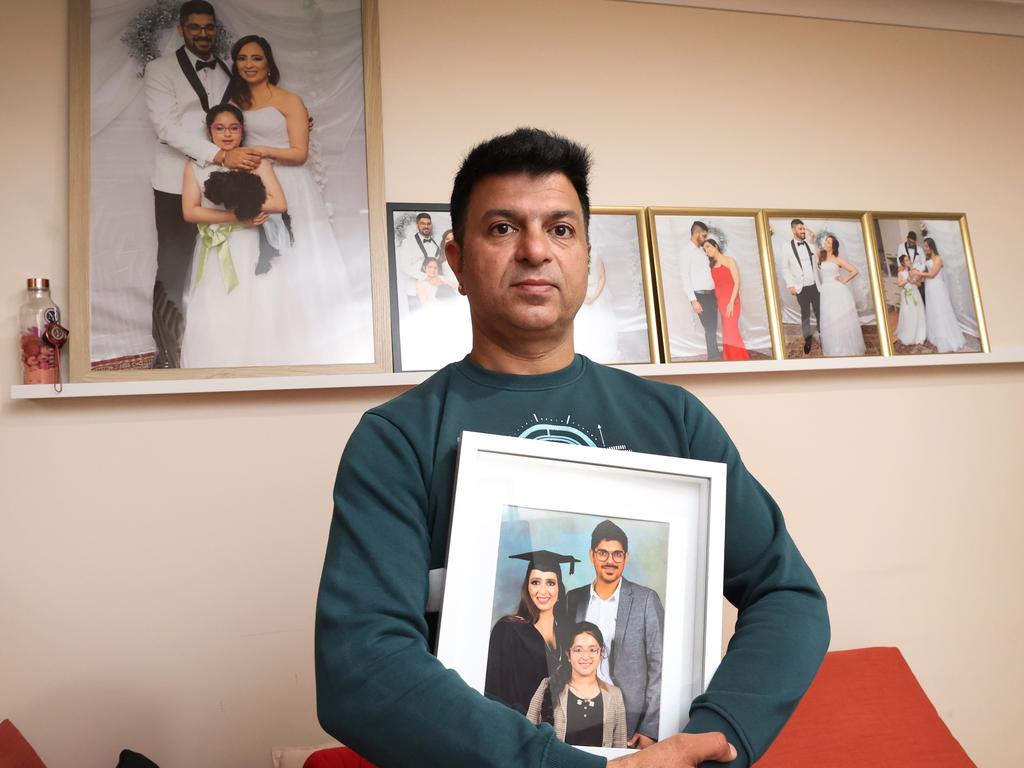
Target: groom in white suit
800,269
180,88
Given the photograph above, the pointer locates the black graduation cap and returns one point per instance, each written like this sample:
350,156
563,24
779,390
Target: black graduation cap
546,560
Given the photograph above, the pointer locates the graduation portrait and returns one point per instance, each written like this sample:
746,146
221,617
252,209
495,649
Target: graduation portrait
578,624
227,217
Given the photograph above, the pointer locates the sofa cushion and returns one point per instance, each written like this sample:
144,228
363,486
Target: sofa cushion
865,707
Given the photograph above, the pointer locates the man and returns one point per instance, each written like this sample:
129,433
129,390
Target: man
917,258
180,88
700,288
631,618
800,270
420,246
520,211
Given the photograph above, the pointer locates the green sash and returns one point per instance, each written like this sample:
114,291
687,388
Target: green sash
216,236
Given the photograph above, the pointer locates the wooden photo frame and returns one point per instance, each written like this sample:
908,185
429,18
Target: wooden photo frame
956,320
743,331
321,306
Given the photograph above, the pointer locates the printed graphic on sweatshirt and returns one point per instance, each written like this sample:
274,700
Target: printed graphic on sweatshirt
565,430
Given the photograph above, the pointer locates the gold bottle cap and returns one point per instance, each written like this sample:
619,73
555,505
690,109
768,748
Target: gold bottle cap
35,283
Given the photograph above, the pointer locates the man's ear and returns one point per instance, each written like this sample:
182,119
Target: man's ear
453,254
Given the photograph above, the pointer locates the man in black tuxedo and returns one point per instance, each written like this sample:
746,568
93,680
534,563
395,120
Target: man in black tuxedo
180,88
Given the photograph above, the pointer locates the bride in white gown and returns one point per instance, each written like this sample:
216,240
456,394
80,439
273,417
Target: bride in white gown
840,326
314,325
943,327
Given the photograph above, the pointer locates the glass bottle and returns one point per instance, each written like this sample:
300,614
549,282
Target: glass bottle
39,361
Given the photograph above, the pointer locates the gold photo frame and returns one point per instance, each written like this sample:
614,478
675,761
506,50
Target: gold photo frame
912,328
369,324
746,331
854,318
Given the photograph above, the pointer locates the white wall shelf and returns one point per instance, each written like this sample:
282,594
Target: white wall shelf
1007,355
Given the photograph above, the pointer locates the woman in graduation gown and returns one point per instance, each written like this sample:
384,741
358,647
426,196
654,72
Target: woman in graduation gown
525,646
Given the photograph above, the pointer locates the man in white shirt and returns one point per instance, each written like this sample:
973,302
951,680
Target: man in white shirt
631,618
917,258
180,87
422,245
800,270
700,288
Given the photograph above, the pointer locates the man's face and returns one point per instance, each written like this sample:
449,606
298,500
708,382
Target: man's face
425,226
609,570
523,258
199,33
911,242
700,237
799,231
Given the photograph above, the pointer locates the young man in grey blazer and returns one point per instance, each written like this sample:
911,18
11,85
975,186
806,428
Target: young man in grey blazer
633,617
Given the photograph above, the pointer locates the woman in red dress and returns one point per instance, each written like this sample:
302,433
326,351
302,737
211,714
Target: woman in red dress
726,276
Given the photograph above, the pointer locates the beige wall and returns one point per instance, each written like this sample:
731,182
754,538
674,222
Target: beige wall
157,592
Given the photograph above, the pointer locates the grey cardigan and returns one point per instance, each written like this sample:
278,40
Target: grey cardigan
614,733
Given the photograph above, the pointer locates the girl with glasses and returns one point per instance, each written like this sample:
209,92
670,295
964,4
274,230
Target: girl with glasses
227,309
583,709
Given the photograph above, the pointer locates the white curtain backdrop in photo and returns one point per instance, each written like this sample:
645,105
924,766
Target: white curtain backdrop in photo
612,328
949,241
686,334
851,248
318,48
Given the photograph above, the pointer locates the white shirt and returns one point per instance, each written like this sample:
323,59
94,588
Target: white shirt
602,612
696,270
805,256
214,80
916,259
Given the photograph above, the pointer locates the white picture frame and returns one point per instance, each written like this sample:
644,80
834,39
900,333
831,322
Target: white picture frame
551,484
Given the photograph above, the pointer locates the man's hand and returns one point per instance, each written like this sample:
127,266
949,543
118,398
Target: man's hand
684,750
639,741
260,218
793,290
242,159
697,307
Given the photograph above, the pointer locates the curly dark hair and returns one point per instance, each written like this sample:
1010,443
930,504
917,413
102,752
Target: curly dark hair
240,192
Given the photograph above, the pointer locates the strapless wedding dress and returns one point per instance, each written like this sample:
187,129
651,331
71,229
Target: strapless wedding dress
840,327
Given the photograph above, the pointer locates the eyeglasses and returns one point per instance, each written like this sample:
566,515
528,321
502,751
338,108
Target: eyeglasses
591,650
617,556
229,128
195,29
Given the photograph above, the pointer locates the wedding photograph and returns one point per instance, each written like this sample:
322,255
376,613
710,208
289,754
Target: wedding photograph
825,284
616,324
228,204
429,317
551,642
927,283
711,283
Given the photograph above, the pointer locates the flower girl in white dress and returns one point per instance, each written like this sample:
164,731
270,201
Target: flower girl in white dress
911,328
228,309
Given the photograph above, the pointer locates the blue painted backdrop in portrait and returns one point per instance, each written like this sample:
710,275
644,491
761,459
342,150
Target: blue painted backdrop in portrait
524,529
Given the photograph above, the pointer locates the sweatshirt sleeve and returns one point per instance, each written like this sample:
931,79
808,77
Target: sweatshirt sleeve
379,689
782,630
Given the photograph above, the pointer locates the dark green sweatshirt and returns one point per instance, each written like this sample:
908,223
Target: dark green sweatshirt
379,689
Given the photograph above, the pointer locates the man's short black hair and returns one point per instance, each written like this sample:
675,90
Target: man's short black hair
698,226
795,223
606,530
424,215
195,7
525,150
912,235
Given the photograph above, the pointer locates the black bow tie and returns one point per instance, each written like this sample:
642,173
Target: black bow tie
201,65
